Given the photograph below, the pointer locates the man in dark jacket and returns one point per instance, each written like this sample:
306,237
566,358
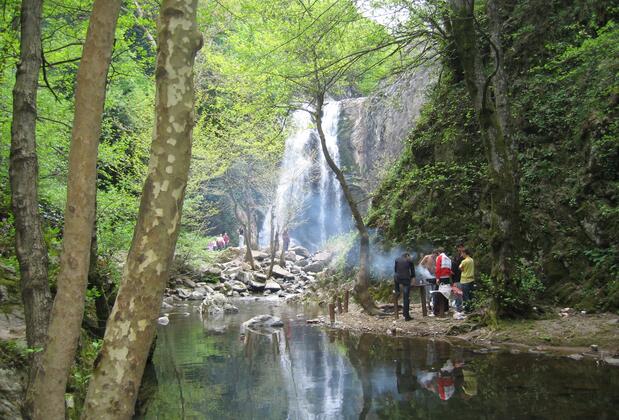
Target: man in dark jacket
404,273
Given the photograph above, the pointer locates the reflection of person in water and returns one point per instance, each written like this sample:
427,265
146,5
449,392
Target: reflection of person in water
406,378
448,380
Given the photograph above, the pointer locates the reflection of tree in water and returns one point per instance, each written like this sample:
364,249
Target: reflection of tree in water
303,372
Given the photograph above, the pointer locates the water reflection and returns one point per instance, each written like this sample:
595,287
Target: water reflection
209,368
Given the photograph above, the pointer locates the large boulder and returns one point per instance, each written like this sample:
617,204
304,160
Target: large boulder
259,255
290,256
256,286
197,295
281,272
245,276
188,282
183,293
217,303
272,285
231,272
300,251
322,256
263,322
237,286
315,266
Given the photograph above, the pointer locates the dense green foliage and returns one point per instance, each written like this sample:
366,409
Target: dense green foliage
562,66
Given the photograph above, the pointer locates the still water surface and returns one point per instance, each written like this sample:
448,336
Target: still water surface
207,368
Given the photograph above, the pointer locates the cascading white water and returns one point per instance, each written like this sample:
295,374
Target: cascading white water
309,197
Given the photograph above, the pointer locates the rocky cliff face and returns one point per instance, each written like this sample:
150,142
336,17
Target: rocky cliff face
372,130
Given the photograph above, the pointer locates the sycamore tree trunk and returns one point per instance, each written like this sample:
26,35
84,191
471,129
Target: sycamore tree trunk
362,280
47,397
273,239
116,379
23,173
493,118
249,257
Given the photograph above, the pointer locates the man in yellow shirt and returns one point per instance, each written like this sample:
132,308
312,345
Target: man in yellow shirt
467,267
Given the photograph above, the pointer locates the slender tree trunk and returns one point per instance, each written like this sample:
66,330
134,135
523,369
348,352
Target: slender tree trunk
249,257
272,242
47,397
116,380
362,280
23,173
98,282
494,124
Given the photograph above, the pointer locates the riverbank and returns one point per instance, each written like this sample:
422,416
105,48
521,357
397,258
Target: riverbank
575,335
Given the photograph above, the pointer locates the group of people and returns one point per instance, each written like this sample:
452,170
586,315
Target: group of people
221,242
446,277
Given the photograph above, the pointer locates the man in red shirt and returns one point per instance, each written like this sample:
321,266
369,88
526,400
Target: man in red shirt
443,276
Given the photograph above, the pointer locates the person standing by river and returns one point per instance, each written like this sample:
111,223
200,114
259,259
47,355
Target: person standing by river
455,269
404,273
428,262
443,276
467,266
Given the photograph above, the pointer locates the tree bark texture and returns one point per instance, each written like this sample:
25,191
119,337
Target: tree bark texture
362,280
132,324
47,398
493,120
30,245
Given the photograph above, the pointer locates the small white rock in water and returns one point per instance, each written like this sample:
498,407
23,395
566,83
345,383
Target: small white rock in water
594,347
583,312
163,320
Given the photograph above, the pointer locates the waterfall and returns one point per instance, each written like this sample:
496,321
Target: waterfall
309,197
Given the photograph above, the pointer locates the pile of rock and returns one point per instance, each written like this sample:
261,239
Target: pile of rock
236,278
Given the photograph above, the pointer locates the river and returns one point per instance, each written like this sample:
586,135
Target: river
207,368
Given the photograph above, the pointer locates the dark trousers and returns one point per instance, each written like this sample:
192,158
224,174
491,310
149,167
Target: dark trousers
467,295
406,291
440,300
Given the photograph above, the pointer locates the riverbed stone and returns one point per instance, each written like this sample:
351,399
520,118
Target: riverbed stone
281,272
263,321
231,272
245,276
259,255
256,286
260,277
183,293
300,251
613,361
322,256
163,320
272,285
315,266
237,286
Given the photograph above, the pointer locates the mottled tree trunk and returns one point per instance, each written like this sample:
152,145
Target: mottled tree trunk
493,117
47,398
23,173
99,283
116,380
362,280
272,240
